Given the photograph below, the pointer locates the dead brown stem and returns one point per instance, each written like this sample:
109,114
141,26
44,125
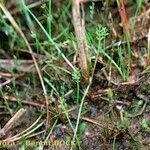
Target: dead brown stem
24,65
32,5
8,126
26,102
148,58
81,39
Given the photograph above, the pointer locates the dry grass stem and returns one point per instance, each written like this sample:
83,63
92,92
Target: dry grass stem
26,102
148,58
32,5
23,65
25,133
11,122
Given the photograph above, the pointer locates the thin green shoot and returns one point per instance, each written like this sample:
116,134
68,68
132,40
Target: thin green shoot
51,85
29,130
49,18
101,33
60,68
27,16
34,129
49,37
63,32
65,11
64,107
113,62
5,102
138,8
114,143
122,63
128,56
92,12
76,77
50,132
80,109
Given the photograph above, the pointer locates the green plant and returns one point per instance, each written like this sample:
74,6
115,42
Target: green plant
82,129
76,77
92,6
49,18
114,143
8,30
138,8
99,45
121,63
121,66
127,34
65,109
101,33
138,105
6,104
50,39
121,125
144,123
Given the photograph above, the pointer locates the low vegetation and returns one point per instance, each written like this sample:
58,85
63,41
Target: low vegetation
74,74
